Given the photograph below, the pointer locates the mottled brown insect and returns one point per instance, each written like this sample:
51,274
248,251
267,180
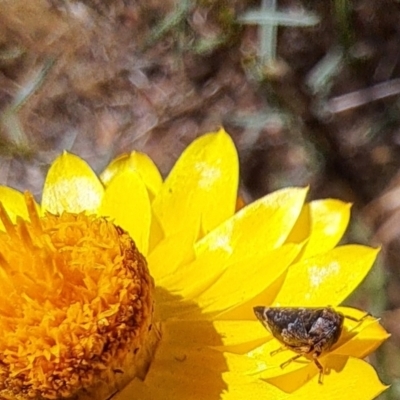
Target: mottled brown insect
307,331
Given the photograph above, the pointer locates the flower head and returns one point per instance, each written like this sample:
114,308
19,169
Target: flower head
76,303
211,265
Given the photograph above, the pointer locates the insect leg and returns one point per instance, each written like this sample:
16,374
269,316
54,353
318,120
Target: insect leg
280,349
358,320
286,363
320,367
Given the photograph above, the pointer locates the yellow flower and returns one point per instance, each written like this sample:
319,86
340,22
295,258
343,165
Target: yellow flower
211,265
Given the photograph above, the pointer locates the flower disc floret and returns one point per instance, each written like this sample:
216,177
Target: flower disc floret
76,307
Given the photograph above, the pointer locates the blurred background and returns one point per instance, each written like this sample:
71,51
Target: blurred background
309,91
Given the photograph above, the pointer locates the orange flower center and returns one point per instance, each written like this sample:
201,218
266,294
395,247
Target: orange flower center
76,305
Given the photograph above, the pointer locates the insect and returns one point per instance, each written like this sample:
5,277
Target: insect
306,331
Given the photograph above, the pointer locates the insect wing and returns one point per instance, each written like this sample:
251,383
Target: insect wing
288,325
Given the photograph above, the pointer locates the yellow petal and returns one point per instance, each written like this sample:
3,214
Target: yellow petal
251,390
255,230
202,186
300,377
139,162
359,338
14,203
171,252
185,369
181,359
195,282
302,228
239,336
270,361
344,377
245,310
328,220
156,232
126,201
245,279
71,185
326,279
264,224
364,343
235,388
166,383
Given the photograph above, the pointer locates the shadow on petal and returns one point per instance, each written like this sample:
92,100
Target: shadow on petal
295,379
185,365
